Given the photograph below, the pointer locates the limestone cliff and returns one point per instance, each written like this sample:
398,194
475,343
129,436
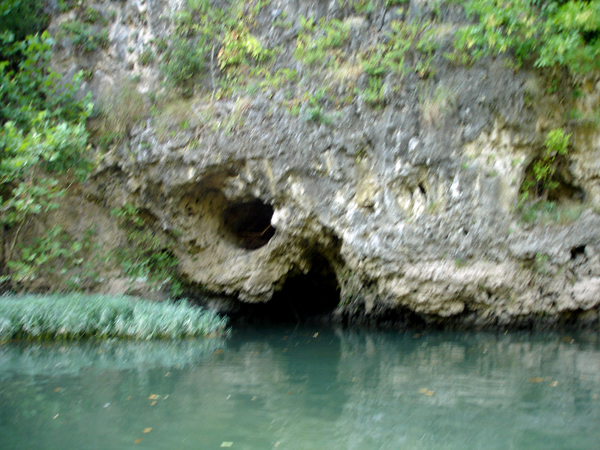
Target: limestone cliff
399,188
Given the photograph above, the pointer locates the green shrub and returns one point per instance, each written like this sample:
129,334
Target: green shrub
146,57
57,258
316,44
93,16
315,111
564,33
120,110
23,17
541,180
67,5
404,39
42,134
239,47
183,63
390,3
76,316
363,6
85,37
147,256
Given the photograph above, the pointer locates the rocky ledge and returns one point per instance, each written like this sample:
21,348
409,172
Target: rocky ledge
403,209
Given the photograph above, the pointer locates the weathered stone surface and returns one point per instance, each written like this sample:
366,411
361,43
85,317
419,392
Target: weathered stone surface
411,204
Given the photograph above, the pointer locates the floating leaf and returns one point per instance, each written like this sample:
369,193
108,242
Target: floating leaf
429,393
57,390
554,383
226,444
536,380
153,403
316,335
152,397
147,430
137,441
423,391
219,351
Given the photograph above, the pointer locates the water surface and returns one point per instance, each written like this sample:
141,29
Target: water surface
305,388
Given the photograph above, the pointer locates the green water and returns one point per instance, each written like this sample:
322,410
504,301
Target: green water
305,388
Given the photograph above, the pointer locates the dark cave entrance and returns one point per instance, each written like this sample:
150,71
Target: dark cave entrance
303,298
248,223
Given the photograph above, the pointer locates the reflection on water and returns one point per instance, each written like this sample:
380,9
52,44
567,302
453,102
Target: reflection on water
305,389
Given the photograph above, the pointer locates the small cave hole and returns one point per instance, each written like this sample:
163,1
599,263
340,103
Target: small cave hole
248,223
577,251
558,189
303,298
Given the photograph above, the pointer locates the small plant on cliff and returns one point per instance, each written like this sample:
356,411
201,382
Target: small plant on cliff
119,111
541,180
239,47
183,62
404,39
146,56
84,36
146,255
315,111
210,41
55,257
322,44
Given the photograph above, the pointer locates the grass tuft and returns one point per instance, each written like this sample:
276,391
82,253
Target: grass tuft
76,316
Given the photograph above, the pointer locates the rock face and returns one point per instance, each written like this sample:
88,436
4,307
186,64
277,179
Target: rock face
407,208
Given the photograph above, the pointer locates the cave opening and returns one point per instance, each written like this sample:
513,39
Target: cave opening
555,185
248,223
304,298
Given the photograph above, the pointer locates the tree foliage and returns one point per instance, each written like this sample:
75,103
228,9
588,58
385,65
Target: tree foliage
23,17
565,33
42,131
